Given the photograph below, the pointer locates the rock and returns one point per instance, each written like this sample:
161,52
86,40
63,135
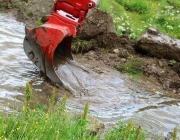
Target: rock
160,63
113,56
116,51
96,22
94,126
123,60
39,10
123,53
159,45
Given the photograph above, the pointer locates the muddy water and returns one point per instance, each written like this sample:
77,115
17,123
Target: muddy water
104,88
111,96
15,70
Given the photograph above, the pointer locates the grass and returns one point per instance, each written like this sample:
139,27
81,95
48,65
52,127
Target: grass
45,123
135,17
55,123
3,5
39,22
125,132
79,46
131,68
139,6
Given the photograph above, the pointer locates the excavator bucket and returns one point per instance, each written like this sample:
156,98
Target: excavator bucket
41,43
56,34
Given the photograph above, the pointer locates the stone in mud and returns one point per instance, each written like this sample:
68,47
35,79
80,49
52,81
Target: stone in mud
96,22
159,45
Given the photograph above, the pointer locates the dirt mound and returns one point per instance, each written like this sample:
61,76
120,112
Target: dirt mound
96,22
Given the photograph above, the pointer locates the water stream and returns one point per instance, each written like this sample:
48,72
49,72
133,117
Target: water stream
111,96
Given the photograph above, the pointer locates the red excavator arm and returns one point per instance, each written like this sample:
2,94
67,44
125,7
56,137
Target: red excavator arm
72,11
56,34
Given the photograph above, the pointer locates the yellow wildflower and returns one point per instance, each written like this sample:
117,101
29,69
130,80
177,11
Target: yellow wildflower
18,128
47,116
23,108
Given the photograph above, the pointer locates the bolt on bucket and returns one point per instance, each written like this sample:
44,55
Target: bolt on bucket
56,34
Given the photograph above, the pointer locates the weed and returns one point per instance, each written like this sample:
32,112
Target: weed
39,22
174,135
63,104
28,94
52,98
173,63
3,5
131,67
124,131
78,46
30,14
86,108
22,7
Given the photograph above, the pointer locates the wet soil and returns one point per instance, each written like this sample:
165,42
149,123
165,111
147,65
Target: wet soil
119,51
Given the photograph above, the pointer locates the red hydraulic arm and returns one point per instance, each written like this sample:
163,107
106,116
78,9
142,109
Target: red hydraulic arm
72,11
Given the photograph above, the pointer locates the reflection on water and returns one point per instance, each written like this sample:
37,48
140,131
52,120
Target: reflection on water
110,95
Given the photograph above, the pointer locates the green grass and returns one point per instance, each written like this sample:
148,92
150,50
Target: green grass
136,16
139,6
39,22
53,122
79,45
3,5
44,123
125,132
131,68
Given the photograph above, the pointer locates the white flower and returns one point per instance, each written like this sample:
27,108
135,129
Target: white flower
121,28
170,27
